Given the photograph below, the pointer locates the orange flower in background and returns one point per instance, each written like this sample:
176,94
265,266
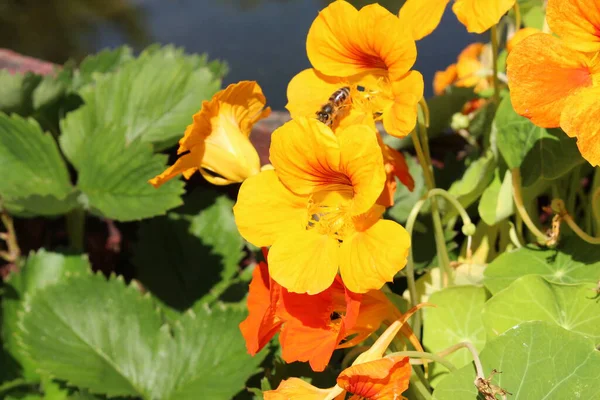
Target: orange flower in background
553,84
217,143
317,210
371,375
469,71
312,327
423,16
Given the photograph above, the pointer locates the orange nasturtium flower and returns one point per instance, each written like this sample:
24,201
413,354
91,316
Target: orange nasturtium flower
471,70
555,81
519,36
317,210
312,327
369,51
217,142
371,376
423,16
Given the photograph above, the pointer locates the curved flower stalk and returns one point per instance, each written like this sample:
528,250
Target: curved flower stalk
371,376
424,16
317,210
556,81
217,142
368,51
312,327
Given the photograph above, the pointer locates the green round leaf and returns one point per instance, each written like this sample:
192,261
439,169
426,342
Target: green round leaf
573,261
537,360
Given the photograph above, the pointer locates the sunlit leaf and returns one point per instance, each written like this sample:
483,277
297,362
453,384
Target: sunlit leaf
496,201
16,91
573,261
114,178
538,360
105,61
39,270
533,298
404,200
31,166
456,318
113,341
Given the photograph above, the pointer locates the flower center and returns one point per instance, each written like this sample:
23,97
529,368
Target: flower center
329,213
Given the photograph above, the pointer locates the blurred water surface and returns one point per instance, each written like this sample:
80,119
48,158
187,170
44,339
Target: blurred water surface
261,40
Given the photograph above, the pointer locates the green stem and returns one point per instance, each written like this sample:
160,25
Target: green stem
518,198
427,356
418,386
76,229
596,200
494,38
517,15
440,240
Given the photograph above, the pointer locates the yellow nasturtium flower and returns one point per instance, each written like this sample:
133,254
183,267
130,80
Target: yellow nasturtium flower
217,142
368,49
471,70
423,16
317,210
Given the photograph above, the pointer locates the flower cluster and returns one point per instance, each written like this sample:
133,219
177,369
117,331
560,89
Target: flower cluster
555,81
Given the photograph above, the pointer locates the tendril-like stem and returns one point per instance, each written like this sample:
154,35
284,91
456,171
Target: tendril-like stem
10,237
559,207
517,10
423,355
518,198
469,346
495,45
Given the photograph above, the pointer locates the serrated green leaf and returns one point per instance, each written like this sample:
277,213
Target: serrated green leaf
52,88
472,184
573,261
496,201
538,360
103,62
113,341
30,162
533,298
179,258
456,318
151,98
114,178
16,91
404,200
39,270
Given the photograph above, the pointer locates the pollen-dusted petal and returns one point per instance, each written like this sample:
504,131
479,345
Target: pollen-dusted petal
306,156
186,164
580,119
422,16
381,379
345,42
265,209
370,258
262,322
309,90
304,261
401,116
443,79
295,388
361,161
577,22
542,74
480,15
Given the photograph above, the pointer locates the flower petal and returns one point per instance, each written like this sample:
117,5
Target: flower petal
542,74
422,16
362,161
519,36
186,164
580,119
385,378
262,323
304,261
372,257
345,42
295,388
401,117
480,15
443,79
577,22
309,90
265,209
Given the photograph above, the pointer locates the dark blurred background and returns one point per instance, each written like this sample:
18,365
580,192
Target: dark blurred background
261,40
